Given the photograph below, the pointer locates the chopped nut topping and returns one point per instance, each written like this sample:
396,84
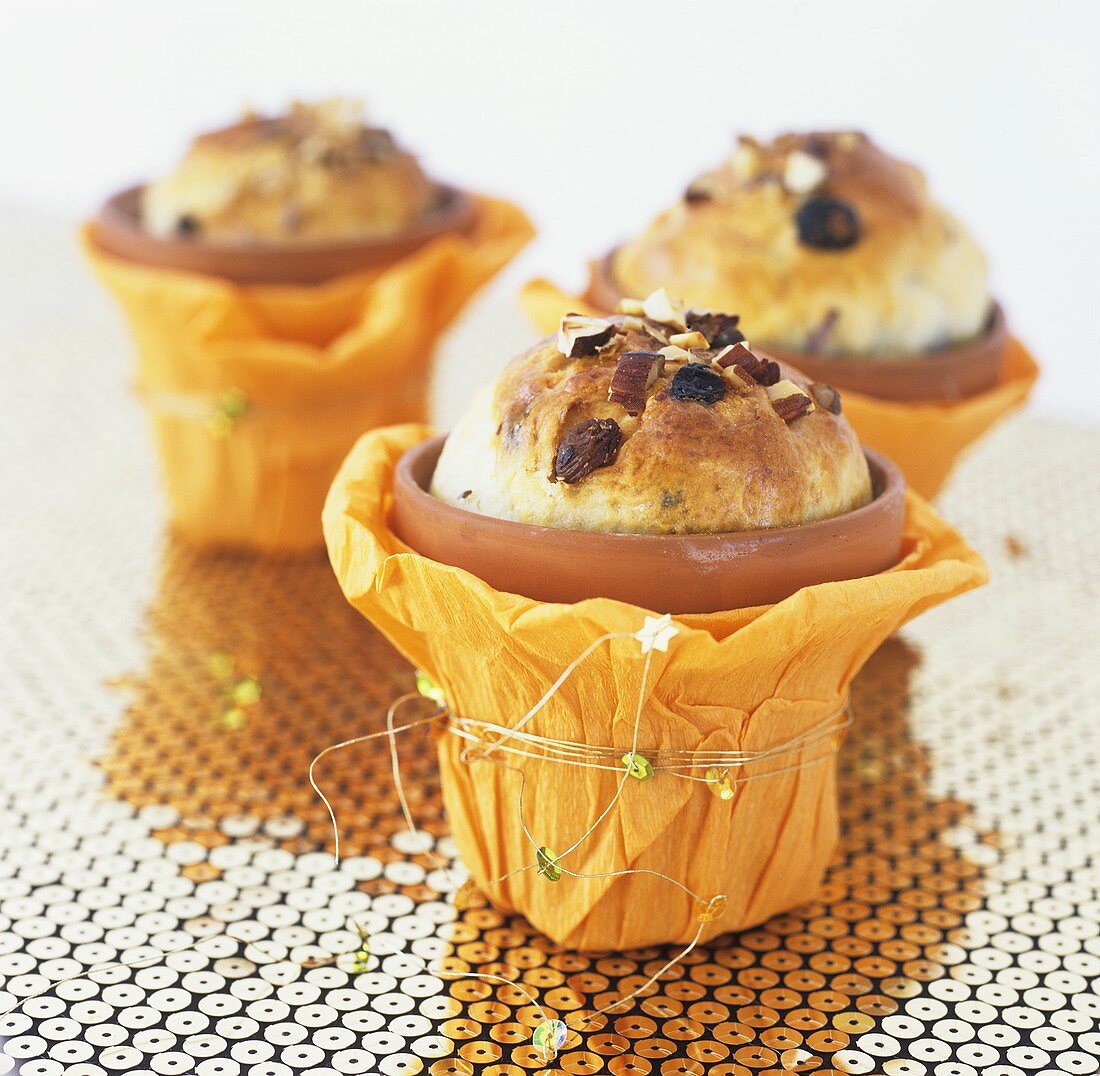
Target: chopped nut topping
689,340
826,397
660,306
588,445
737,377
763,371
634,307
789,401
655,330
803,172
697,382
580,335
719,329
746,158
636,371
672,353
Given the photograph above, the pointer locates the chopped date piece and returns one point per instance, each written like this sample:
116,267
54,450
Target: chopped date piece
763,371
826,397
697,382
827,224
588,445
697,195
719,329
636,371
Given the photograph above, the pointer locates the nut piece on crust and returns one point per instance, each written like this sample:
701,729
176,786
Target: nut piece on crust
790,401
581,335
805,224
637,370
635,439
317,172
825,396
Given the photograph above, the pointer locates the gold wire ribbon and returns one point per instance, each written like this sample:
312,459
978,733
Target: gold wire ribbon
491,739
671,761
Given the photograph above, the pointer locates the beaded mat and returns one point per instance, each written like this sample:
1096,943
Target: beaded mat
160,708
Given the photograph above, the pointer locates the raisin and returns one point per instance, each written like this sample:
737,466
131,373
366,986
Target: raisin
187,225
827,224
588,445
697,382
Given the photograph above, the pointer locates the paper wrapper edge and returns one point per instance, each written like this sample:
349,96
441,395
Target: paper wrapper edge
316,364
739,680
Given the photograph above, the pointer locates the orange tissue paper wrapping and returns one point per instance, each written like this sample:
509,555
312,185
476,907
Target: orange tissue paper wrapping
925,439
741,680
256,393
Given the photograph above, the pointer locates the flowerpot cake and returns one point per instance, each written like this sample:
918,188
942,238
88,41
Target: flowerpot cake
620,527
840,261
286,284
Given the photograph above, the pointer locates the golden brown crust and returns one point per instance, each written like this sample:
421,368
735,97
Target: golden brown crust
683,466
315,174
913,280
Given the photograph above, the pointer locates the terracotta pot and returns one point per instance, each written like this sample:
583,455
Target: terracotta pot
118,231
950,373
679,573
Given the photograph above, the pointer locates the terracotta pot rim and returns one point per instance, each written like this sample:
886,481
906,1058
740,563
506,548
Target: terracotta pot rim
695,556
117,230
958,371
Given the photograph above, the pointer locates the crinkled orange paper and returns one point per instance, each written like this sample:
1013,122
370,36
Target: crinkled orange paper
742,680
923,439
317,366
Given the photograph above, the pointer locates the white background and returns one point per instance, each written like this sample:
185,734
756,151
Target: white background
594,114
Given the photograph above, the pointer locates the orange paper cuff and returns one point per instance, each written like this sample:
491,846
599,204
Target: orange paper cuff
742,680
924,439
257,392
